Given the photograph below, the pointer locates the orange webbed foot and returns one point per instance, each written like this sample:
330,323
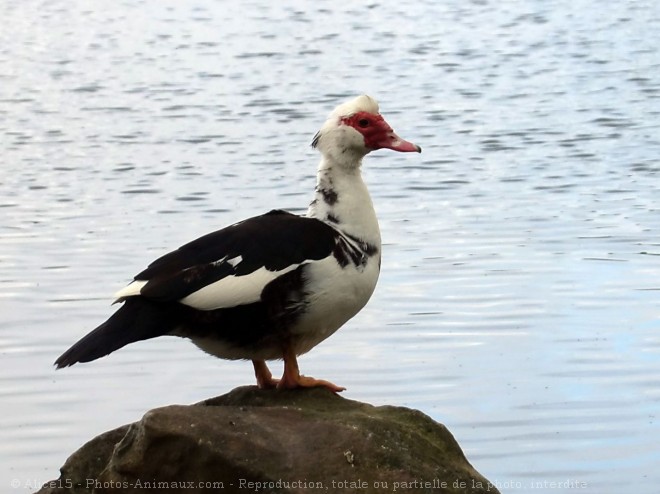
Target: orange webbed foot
291,382
292,378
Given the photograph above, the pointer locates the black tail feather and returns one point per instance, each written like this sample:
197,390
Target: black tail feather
138,319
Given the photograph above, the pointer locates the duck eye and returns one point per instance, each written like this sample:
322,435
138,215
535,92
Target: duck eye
363,122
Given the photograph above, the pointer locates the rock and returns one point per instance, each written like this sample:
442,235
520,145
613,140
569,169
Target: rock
251,440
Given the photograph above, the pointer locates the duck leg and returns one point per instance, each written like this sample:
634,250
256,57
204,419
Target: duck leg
292,379
264,377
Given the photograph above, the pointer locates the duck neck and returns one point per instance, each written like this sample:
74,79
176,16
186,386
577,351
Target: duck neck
343,201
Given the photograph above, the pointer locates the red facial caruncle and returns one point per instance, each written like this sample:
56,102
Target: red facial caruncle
377,133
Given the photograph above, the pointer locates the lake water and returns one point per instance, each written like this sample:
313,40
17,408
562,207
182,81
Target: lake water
519,302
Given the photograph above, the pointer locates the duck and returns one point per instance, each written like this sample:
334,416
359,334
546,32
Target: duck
273,286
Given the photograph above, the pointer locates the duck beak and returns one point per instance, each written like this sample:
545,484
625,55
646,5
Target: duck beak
392,141
386,138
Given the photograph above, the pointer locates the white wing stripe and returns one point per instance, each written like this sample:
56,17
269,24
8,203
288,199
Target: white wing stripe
227,292
233,290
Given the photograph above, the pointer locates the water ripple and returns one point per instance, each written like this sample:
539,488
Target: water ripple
518,297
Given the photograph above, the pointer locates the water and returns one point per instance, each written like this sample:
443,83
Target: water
519,298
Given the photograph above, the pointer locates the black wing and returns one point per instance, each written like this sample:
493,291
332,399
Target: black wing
275,240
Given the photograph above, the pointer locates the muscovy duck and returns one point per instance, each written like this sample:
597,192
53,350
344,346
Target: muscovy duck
272,286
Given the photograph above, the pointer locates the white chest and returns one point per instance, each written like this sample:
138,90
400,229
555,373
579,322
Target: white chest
334,295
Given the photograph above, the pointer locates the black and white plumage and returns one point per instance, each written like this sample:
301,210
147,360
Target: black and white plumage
272,286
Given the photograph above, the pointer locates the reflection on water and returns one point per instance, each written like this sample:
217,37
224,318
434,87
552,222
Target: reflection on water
518,302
